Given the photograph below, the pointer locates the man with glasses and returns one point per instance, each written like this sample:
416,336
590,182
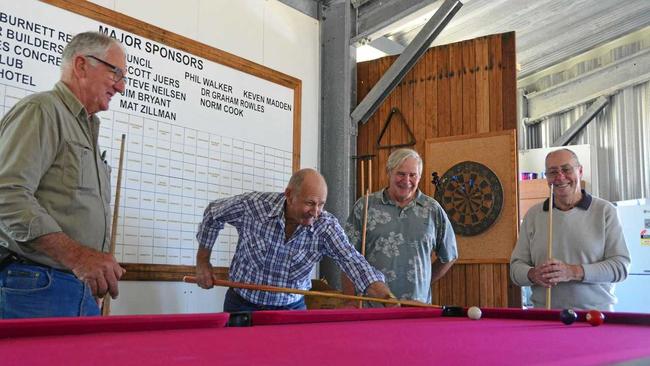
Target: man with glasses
55,189
589,251
405,230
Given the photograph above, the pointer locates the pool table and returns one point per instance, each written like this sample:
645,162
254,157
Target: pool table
390,336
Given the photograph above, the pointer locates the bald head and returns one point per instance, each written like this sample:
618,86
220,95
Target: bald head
567,154
305,194
308,177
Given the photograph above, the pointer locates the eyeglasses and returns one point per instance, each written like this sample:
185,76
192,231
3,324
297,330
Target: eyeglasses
118,74
566,170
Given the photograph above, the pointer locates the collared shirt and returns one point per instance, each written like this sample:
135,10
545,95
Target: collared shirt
264,257
401,240
584,202
52,178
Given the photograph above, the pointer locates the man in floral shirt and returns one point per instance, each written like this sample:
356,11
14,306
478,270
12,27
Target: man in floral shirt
405,229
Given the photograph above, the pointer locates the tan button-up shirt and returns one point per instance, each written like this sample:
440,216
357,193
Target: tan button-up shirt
52,177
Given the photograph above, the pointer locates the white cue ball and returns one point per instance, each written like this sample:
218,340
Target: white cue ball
474,313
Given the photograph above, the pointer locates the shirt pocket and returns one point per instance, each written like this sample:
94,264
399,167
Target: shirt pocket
254,250
302,262
78,169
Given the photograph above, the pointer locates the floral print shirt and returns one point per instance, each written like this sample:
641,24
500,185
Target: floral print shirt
401,241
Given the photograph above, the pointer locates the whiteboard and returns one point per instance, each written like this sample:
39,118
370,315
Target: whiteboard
200,125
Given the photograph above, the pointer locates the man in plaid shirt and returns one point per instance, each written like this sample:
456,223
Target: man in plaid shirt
281,237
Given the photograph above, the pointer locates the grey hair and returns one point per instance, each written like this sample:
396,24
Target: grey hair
573,155
398,156
88,43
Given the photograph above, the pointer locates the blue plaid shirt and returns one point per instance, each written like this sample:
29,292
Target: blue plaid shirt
263,257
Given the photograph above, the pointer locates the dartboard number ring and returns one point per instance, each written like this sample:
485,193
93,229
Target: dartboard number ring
472,196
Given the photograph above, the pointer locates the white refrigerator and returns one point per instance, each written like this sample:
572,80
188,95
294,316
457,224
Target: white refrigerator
634,293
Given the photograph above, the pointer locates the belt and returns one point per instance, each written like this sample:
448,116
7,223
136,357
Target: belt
15,258
6,261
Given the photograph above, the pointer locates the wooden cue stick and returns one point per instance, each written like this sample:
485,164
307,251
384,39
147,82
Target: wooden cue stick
224,283
365,213
365,210
365,223
363,178
106,302
370,174
550,242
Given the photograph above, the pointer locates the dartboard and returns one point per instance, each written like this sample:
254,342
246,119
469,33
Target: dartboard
472,196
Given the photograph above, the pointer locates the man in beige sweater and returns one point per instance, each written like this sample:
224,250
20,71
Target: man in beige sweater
589,251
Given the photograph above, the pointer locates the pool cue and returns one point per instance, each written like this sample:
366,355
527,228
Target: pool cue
248,286
106,302
550,242
363,177
365,210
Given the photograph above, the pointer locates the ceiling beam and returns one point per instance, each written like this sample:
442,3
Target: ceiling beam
405,61
387,46
358,3
590,33
375,15
583,121
628,71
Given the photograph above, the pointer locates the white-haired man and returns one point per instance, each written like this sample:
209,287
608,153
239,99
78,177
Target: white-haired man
405,229
55,189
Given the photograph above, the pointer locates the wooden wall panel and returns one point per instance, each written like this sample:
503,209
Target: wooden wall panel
458,295
473,291
419,103
482,86
456,89
431,97
444,91
463,88
494,77
509,81
469,87
407,105
384,110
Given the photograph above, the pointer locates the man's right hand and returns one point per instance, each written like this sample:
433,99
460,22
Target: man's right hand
204,274
99,270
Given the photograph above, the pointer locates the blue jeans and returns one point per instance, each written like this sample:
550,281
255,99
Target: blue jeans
32,291
234,303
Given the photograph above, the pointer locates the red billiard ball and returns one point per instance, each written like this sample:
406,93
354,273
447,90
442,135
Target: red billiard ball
595,317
